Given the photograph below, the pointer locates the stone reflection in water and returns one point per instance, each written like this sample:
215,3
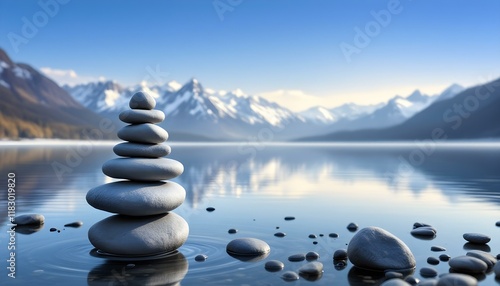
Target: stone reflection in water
28,229
166,271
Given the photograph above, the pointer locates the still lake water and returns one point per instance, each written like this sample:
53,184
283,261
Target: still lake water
253,187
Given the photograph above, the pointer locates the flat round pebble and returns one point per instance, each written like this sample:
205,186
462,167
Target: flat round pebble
395,282
352,226
297,257
432,260
52,229
142,100
340,254
424,231
420,224
128,149
477,238
311,269
248,246
334,235
29,219
428,272
201,257
468,264
312,255
444,257
289,218
232,231
456,279
143,133
143,169
280,234
290,276
312,236
210,209
274,265
437,248
489,259
137,116
497,223
137,198
74,224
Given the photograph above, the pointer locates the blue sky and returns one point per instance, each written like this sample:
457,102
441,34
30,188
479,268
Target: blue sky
287,50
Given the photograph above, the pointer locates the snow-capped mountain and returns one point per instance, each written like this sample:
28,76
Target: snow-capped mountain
450,92
348,111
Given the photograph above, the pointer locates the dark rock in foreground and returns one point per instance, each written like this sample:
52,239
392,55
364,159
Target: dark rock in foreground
377,249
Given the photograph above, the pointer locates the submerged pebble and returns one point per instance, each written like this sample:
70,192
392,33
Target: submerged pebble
290,276
274,265
201,257
280,234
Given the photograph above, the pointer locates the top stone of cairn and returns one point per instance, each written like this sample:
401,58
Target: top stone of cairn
141,100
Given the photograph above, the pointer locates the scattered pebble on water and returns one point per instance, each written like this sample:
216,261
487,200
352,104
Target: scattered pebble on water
289,218
312,255
232,231
312,236
74,224
352,227
428,272
297,257
433,260
333,234
274,265
280,234
210,209
290,276
340,254
437,248
201,257
52,229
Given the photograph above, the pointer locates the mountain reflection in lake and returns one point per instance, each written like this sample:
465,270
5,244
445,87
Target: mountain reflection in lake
454,187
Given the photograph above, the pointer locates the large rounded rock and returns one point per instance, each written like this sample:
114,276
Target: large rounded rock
477,238
128,149
468,264
142,100
143,133
377,249
457,279
247,247
137,199
138,116
132,236
489,259
139,169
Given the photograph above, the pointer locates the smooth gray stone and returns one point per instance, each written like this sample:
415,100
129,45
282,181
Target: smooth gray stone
340,254
428,282
132,236
395,282
377,249
456,279
274,265
424,231
201,257
142,100
477,238
468,264
137,199
312,255
428,272
143,133
129,149
297,257
142,169
437,248
137,116
247,246
29,219
311,269
393,274
489,259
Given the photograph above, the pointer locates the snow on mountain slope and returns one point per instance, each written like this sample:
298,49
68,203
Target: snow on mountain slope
349,111
103,96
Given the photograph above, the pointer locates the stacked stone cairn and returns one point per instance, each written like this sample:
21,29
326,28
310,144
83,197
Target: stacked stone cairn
143,199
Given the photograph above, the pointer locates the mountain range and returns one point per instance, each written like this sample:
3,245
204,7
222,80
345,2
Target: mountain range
35,106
